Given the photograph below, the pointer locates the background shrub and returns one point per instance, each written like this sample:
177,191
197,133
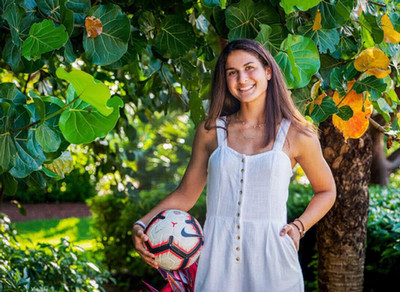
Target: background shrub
60,267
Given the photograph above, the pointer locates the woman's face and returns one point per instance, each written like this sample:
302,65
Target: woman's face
246,77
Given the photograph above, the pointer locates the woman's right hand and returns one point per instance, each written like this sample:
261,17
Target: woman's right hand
139,238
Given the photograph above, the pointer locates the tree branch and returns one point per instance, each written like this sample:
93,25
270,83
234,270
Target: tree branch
383,130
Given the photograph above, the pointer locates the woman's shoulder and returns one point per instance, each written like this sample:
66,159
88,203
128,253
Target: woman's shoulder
206,135
303,140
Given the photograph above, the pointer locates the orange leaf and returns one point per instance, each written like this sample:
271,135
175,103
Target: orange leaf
373,62
356,126
317,21
93,26
390,35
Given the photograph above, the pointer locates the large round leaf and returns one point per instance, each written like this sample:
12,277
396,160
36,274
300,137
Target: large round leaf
44,37
293,5
244,18
298,60
14,15
175,37
89,89
81,123
56,10
29,156
112,43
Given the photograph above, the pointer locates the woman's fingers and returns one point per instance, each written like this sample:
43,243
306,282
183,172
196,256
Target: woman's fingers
139,239
293,234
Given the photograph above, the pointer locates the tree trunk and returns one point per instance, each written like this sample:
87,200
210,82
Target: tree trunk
341,234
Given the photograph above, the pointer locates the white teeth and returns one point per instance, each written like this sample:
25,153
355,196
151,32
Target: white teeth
246,88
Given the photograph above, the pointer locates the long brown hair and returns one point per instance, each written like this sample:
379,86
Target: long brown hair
279,104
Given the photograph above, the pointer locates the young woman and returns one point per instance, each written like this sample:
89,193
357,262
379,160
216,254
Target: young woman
245,151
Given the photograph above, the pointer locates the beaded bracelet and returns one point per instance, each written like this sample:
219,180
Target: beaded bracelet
140,223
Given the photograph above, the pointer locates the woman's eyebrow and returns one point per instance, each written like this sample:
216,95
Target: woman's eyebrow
231,68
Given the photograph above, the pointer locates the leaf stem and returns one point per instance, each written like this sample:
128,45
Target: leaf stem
45,118
375,3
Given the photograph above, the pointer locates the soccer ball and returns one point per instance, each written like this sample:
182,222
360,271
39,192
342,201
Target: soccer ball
175,238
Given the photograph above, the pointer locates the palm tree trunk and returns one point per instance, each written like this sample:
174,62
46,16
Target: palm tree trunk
341,234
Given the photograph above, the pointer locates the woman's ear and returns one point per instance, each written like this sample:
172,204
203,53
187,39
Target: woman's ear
268,72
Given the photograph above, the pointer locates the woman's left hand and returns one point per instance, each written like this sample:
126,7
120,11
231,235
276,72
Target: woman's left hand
293,233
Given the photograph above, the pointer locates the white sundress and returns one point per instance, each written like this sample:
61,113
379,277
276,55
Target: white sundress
246,210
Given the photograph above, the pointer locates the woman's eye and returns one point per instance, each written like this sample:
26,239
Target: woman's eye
231,73
248,68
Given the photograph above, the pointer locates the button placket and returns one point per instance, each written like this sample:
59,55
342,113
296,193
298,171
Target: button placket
238,213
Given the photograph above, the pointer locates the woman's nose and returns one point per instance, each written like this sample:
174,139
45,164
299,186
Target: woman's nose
242,76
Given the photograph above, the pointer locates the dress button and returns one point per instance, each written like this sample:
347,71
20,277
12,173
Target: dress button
242,170
239,203
237,214
241,192
241,181
237,226
238,248
242,159
237,259
238,237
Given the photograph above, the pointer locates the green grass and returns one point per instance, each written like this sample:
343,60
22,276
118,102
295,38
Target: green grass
76,230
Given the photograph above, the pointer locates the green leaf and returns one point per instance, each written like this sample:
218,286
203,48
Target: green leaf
369,23
9,183
343,9
244,19
112,43
12,55
325,39
43,37
345,112
328,15
14,15
47,138
375,86
298,60
338,81
81,123
78,6
29,157
175,37
293,5
40,107
10,92
50,7
322,111
345,50
89,89
211,3
264,35
8,151
196,107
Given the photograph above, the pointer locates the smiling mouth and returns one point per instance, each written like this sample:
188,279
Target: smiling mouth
246,88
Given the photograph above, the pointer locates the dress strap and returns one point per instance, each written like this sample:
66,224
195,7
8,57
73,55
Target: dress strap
221,132
281,136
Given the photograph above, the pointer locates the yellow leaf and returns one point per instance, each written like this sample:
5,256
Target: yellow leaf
373,62
314,89
317,21
94,27
356,126
390,35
